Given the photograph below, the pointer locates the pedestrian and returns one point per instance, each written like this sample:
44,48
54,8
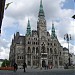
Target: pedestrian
24,66
15,67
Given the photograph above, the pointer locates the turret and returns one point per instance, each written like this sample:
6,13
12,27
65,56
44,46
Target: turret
28,28
53,35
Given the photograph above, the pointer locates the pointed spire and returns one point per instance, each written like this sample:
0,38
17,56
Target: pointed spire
41,11
28,28
14,35
53,35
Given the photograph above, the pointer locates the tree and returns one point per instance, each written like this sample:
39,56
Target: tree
5,63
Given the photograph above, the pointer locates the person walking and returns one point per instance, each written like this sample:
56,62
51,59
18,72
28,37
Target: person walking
24,66
15,67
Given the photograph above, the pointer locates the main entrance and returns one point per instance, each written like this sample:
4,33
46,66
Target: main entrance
43,63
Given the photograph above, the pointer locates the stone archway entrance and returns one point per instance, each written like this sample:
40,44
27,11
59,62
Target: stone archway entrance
43,63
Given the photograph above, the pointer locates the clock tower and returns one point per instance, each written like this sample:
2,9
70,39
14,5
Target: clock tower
42,35
41,23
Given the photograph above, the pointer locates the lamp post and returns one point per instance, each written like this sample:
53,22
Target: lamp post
67,37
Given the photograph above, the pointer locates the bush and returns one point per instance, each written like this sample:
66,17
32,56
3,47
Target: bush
5,63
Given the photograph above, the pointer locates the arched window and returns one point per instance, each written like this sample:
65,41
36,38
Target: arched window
33,50
54,44
51,50
47,50
60,53
29,50
37,50
28,42
55,51
34,43
48,43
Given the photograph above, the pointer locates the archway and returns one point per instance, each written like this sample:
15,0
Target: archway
43,63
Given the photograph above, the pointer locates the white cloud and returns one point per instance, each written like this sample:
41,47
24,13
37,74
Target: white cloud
20,10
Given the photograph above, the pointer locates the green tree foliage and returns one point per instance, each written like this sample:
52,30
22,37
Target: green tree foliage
5,63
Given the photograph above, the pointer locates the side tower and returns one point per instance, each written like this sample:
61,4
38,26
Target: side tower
28,28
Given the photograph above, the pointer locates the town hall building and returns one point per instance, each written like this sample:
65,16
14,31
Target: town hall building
37,47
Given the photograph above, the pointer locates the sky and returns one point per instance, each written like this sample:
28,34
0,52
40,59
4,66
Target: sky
17,14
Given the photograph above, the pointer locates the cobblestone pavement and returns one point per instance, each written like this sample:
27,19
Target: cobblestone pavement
40,72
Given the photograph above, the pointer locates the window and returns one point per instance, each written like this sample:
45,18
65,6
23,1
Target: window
60,53
28,42
36,43
51,50
55,51
28,56
20,57
47,50
34,57
29,50
48,43
54,44
34,38
55,57
17,57
37,50
33,50
51,44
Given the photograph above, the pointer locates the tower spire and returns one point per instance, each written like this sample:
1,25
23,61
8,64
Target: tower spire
28,28
53,35
41,11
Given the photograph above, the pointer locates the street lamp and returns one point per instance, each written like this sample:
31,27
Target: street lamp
67,37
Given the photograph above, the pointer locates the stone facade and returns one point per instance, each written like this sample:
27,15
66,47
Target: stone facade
37,47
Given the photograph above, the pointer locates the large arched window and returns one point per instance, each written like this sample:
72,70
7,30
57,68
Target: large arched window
47,50
37,50
55,51
51,50
33,50
29,50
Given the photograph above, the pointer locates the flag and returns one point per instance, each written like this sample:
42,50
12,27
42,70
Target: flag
7,5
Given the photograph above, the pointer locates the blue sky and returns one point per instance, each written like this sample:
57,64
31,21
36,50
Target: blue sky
69,4
17,14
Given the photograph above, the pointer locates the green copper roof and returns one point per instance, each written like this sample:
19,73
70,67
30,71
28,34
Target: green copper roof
28,28
53,35
41,12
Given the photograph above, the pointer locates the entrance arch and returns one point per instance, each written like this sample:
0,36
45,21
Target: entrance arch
43,63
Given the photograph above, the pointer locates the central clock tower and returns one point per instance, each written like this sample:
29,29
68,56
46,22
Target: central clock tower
41,23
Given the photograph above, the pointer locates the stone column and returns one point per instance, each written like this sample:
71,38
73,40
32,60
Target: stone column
53,62
31,61
40,63
26,59
58,61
